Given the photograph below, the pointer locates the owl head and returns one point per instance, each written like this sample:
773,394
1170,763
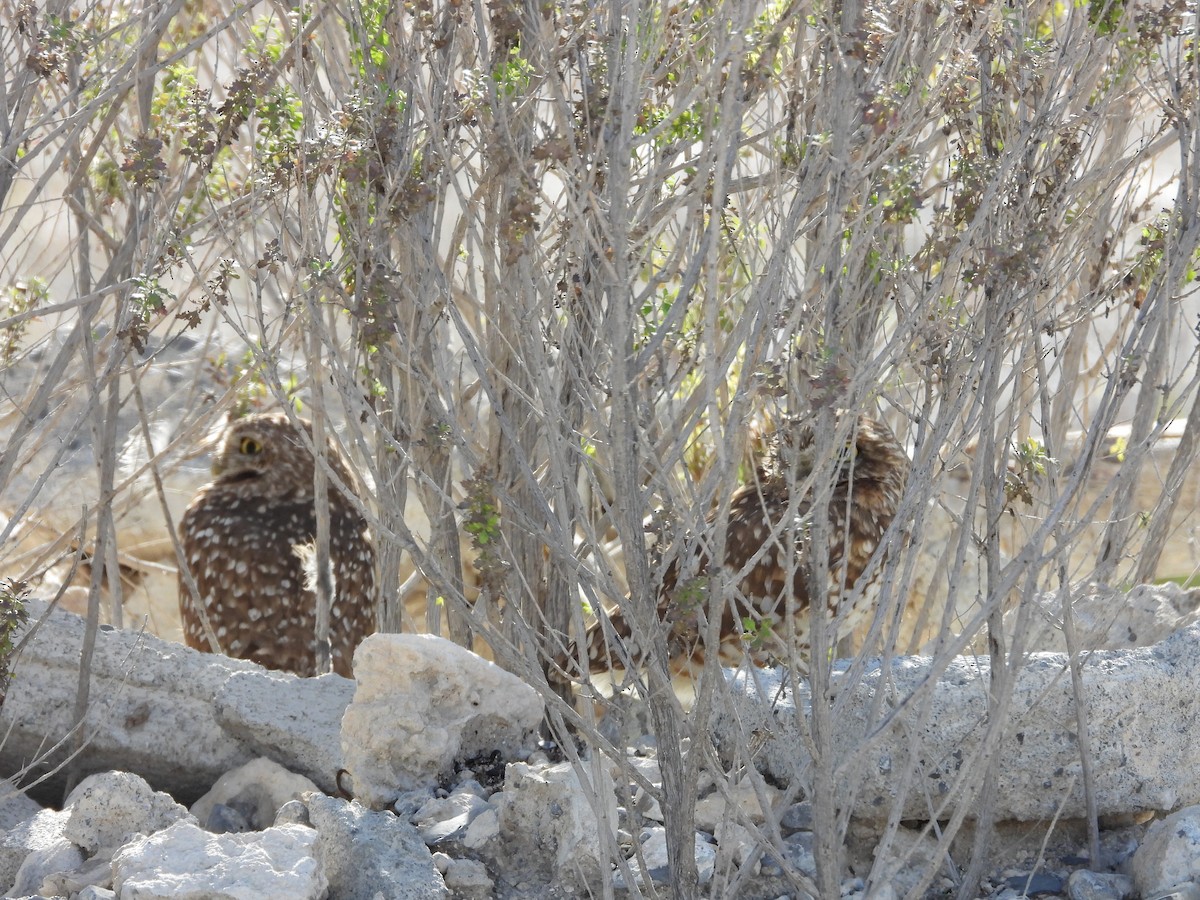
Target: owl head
871,452
268,455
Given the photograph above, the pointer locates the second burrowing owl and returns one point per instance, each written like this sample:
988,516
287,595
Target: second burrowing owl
765,610
245,536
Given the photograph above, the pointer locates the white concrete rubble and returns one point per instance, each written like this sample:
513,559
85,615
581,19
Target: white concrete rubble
1138,762
550,824
468,879
186,861
64,852
295,721
424,704
150,709
178,717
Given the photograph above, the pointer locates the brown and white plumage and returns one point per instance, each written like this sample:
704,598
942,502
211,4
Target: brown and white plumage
243,537
765,613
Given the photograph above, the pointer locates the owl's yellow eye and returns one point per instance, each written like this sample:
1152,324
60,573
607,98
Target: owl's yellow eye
249,447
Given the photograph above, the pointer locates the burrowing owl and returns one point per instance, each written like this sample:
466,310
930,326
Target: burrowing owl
244,536
766,614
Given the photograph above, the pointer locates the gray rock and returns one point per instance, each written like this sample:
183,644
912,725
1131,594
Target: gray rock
15,807
883,892
484,829
1137,764
737,840
1118,845
108,808
1087,885
154,715
635,772
797,852
654,854
365,853
645,804
43,864
295,721
96,893
445,820
627,721
94,873
554,823
407,803
294,812
907,858
223,819
1169,854
255,792
748,796
643,767
422,705
42,831
186,861
468,879
797,817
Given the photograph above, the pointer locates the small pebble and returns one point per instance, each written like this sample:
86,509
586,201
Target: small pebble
294,812
226,819
797,850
